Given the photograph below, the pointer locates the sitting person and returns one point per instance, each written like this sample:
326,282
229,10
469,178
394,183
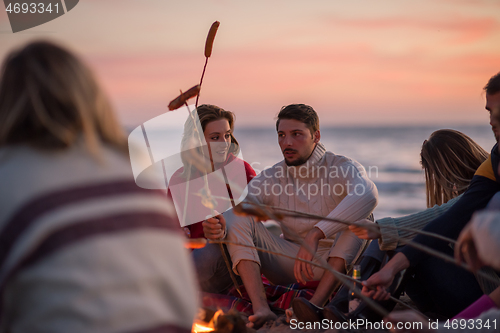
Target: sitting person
449,159
311,180
477,245
217,126
222,148
83,248
448,289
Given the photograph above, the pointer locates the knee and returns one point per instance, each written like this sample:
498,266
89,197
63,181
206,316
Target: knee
241,227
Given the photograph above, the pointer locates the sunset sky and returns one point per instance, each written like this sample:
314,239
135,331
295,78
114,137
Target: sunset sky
358,62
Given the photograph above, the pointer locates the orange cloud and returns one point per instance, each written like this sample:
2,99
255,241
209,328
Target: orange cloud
342,77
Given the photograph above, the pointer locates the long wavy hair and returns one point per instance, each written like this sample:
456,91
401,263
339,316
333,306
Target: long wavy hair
206,114
449,159
49,99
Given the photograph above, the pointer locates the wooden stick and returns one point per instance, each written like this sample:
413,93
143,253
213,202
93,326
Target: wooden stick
342,277
291,213
201,242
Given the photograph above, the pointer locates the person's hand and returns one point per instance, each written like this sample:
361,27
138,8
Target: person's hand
187,232
307,252
376,286
214,228
366,229
407,316
465,249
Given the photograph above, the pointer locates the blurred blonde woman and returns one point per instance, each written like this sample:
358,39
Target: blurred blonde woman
84,249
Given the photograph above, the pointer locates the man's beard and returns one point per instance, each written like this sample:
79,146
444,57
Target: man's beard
298,162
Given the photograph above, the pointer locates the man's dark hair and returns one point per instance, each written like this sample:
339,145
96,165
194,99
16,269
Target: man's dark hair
301,112
493,85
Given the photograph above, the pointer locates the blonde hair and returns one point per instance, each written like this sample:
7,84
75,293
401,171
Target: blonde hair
449,159
206,114
49,99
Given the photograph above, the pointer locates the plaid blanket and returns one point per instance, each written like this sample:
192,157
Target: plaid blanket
278,297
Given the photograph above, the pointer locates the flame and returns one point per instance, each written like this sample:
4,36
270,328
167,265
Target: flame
200,326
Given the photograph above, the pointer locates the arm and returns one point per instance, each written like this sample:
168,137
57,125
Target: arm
451,223
360,201
259,187
307,252
377,284
389,238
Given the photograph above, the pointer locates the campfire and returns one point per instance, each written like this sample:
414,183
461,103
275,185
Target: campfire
219,322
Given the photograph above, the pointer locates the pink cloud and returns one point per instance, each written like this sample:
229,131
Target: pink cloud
332,77
466,30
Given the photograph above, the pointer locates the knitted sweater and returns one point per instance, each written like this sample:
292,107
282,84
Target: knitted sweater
327,184
390,238
84,249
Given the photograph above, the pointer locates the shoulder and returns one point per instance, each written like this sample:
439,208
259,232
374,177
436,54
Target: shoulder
27,175
478,194
271,174
32,171
249,171
486,170
248,168
341,161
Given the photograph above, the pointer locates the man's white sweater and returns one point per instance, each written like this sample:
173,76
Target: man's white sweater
329,185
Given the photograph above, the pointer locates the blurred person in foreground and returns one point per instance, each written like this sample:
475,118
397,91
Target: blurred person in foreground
83,248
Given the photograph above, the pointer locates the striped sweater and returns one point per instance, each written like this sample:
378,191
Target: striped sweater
84,249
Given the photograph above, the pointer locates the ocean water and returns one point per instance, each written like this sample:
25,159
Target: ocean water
390,155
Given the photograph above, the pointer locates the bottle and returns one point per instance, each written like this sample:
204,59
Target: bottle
354,301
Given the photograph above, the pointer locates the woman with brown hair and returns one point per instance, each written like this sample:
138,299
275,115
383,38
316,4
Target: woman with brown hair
80,241
212,173
208,145
449,159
